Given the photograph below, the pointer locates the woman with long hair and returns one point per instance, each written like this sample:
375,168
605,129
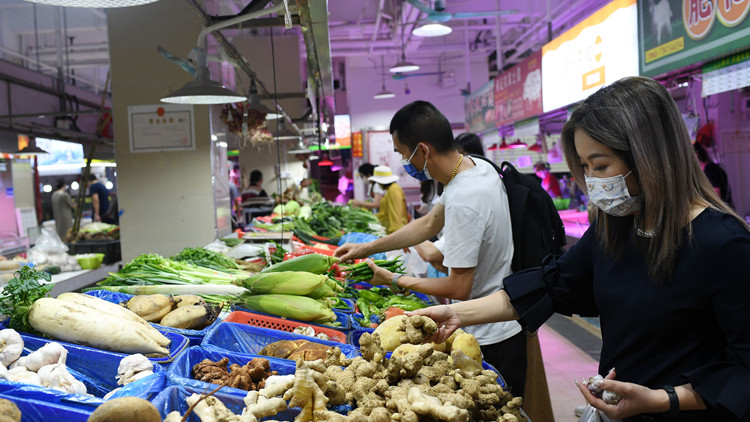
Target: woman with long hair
664,265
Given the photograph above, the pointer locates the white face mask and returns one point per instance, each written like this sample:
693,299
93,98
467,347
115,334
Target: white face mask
611,195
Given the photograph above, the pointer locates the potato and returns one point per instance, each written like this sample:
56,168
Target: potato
469,345
125,409
449,340
390,335
9,411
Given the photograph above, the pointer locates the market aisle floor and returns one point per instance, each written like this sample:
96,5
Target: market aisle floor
564,362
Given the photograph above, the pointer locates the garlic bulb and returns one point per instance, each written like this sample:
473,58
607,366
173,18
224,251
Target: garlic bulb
46,355
11,346
19,362
21,374
130,366
57,376
3,370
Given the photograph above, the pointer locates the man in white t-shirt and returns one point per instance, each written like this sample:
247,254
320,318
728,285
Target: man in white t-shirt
474,217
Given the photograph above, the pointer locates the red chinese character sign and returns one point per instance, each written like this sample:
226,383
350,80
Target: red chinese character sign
518,91
357,144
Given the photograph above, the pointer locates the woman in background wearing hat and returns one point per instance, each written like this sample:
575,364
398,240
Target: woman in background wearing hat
392,213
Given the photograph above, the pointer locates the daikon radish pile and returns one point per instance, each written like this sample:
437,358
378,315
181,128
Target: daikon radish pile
76,323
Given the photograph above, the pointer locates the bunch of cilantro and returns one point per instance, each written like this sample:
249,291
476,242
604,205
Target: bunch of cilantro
20,293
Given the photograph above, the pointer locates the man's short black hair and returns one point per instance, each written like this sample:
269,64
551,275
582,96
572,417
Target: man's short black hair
366,169
700,152
255,176
420,121
60,182
470,143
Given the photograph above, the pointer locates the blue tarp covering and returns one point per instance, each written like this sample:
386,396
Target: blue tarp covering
181,370
174,396
96,368
178,344
247,339
39,404
195,336
356,237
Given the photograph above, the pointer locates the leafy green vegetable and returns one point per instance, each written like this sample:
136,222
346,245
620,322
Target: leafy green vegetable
205,258
231,242
149,269
20,293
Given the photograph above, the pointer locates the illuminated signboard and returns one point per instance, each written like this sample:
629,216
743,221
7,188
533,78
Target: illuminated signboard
596,52
677,33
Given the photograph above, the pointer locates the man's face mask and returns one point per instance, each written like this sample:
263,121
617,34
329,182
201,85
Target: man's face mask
412,171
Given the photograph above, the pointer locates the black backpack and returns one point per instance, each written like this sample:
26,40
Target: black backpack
537,228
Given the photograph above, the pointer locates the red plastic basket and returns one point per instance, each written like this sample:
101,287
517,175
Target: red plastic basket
280,324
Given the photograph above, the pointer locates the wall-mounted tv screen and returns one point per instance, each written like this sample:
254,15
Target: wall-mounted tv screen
60,152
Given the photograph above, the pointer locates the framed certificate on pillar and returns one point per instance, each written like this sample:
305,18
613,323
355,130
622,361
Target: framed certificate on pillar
163,127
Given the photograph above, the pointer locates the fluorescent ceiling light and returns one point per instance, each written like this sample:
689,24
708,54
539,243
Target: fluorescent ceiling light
432,30
273,116
93,3
384,94
203,90
404,66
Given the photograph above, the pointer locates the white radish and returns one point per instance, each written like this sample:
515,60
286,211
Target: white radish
77,323
117,311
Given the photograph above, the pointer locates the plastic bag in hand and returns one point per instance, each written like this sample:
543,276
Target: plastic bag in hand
592,414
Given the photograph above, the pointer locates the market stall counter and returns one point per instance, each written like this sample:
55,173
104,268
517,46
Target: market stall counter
73,281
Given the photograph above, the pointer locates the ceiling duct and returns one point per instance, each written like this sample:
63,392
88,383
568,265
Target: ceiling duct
314,21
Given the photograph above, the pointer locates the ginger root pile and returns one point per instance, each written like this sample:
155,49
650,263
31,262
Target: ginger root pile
252,376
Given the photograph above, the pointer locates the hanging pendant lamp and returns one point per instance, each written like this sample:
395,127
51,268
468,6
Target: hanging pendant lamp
383,92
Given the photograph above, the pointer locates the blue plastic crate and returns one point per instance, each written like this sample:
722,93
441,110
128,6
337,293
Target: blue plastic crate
173,398
194,336
247,339
178,344
341,317
181,370
96,368
349,306
356,326
39,404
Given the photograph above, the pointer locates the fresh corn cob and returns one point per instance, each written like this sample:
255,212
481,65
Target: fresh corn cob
313,263
322,291
336,287
288,282
300,308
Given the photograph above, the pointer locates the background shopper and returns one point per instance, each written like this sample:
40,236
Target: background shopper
477,254
62,208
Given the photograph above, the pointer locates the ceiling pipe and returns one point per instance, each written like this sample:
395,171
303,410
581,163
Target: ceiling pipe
231,51
375,33
541,24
